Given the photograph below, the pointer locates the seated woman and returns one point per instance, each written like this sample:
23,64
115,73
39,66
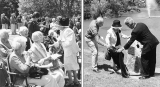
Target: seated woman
54,46
41,57
5,49
50,39
21,65
23,31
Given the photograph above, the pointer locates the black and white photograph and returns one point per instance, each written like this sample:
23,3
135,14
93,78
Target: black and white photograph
40,43
121,43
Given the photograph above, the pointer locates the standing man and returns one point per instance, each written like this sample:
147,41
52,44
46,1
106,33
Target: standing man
33,24
142,34
92,39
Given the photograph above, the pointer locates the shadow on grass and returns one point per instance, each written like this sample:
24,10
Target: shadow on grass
108,68
105,67
157,74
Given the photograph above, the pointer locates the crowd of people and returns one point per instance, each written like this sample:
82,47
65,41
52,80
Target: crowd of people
42,42
141,46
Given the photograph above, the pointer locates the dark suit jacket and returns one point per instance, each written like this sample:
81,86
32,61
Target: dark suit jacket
142,34
33,26
4,20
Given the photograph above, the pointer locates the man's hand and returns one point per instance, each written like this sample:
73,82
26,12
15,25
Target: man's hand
120,49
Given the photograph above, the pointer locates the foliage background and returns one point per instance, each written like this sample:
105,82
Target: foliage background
45,7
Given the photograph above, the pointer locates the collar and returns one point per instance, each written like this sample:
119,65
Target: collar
135,25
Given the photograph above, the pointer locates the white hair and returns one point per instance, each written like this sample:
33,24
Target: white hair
99,19
53,19
129,20
23,29
19,42
52,32
3,33
36,36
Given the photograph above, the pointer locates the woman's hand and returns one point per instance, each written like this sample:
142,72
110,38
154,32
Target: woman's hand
55,56
37,65
40,62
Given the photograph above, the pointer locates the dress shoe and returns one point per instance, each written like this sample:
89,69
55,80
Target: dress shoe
96,70
144,77
126,76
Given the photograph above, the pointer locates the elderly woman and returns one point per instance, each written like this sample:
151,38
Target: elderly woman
23,31
3,21
68,41
41,57
5,49
53,45
50,39
21,65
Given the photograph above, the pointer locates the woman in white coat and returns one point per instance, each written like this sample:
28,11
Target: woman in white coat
68,41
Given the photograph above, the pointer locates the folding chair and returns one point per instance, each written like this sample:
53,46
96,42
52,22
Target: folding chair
11,74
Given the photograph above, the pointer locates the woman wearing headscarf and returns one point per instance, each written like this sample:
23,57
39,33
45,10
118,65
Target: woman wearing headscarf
3,21
23,31
5,49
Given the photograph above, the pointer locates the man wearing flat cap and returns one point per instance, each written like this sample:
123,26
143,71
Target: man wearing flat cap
92,39
141,33
113,40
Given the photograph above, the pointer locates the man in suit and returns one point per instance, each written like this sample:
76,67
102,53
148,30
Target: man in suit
113,40
142,34
92,39
33,25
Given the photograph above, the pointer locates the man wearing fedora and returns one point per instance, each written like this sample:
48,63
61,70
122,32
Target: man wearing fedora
142,34
92,39
113,40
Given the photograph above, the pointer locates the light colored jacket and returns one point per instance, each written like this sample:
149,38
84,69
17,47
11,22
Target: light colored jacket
68,39
38,52
111,37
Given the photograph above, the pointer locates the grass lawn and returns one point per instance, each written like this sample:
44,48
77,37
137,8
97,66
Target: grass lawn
104,78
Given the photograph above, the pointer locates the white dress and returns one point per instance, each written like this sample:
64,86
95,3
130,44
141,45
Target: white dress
70,49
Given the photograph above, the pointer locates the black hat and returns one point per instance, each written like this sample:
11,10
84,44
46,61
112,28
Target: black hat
116,23
36,15
64,21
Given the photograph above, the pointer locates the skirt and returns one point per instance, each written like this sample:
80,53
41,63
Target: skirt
71,63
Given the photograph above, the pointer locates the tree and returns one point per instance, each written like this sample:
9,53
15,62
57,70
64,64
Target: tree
98,7
8,7
50,7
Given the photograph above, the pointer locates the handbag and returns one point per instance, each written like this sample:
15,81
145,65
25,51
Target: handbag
107,55
35,72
